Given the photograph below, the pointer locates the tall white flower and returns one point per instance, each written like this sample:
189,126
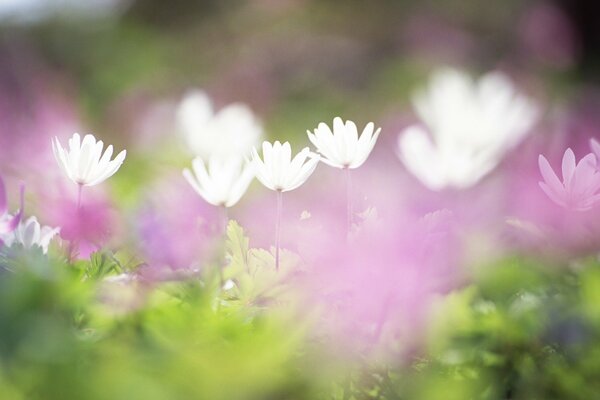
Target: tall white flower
278,171
29,233
84,163
230,132
467,128
342,148
223,183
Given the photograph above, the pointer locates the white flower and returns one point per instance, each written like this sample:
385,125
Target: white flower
342,148
468,128
84,162
29,233
223,183
278,171
230,132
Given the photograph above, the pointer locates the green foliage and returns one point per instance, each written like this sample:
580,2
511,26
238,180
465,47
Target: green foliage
257,284
95,329
68,331
523,331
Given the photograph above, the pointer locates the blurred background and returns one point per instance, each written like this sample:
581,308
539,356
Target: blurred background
119,67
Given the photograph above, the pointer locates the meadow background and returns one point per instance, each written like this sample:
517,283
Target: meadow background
502,300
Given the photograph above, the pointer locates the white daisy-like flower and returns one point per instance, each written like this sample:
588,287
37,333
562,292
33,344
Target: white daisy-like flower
467,127
84,163
228,133
29,233
223,183
278,171
343,148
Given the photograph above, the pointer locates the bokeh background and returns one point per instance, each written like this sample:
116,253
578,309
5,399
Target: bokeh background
521,326
119,68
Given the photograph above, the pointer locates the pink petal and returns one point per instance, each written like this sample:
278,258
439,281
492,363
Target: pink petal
548,174
583,178
568,167
595,146
555,197
11,224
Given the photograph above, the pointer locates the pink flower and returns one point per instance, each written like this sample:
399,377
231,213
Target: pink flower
579,188
176,231
8,223
595,146
90,227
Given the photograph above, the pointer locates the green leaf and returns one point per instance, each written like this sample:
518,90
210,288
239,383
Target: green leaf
237,246
101,265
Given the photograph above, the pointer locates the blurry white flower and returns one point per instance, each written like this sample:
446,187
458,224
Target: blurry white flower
84,162
278,171
223,183
305,215
29,233
342,148
467,128
230,132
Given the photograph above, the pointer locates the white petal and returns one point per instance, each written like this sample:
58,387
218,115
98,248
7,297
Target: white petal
187,174
419,156
102,165
305,172
110,170
365,150
241,185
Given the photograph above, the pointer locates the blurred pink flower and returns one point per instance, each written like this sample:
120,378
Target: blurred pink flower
378,290
579,188
89,227
9,223
595,146
178,231
35,104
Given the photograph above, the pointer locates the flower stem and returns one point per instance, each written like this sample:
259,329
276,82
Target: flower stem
224,219
223,261
348,200
278,228
73,245
79,190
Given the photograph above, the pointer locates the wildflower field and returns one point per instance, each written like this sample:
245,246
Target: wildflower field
299,199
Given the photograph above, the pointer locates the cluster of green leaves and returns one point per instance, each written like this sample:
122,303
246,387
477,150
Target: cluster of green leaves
86,330
522,329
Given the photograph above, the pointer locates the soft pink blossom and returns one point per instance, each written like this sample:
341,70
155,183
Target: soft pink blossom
595,146
579,188
177,230
8,222
90,227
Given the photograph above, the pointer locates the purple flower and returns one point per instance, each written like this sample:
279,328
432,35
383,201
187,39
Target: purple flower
9,223
579,188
